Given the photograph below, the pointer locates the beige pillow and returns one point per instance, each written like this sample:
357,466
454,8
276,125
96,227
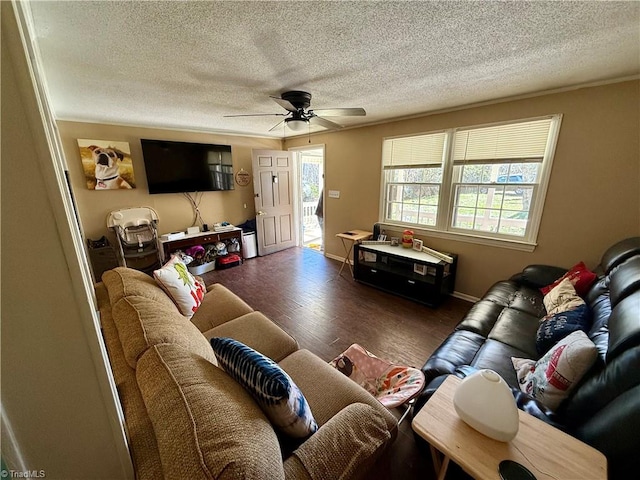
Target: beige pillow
551,379
562,298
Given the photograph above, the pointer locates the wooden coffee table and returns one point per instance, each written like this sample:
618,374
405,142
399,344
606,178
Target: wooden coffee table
546,451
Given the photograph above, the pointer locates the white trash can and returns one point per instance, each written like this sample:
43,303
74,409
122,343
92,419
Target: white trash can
249,245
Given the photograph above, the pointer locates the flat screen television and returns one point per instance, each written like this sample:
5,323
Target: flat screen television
177,167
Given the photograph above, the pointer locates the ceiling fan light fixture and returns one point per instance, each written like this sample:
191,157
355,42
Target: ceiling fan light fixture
299,117
297,124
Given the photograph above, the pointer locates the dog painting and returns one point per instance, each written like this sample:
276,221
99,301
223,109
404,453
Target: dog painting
107,165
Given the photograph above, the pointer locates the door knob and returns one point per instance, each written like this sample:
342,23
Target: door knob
260,212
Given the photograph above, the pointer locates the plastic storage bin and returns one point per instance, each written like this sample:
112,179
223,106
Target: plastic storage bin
203,268
228,261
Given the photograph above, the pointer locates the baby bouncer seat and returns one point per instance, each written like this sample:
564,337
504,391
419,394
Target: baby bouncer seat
136,231
393,385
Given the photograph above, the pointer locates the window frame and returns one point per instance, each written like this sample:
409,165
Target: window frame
446,201
390,183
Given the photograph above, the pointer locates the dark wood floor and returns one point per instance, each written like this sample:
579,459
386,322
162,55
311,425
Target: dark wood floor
300,290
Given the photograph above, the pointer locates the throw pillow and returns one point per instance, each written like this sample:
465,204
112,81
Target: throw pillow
185,291
554,328
562,298
551,379
276,393
580,276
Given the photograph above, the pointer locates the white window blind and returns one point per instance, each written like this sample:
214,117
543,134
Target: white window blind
484,182
418,150
514,141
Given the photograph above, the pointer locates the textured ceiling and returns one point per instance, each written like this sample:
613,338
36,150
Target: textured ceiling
187,64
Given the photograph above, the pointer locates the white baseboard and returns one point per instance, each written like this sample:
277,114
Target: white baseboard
464,296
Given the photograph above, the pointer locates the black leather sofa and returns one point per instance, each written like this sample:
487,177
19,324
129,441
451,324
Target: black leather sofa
604,408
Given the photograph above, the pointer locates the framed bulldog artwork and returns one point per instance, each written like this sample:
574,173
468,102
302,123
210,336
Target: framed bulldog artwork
107,164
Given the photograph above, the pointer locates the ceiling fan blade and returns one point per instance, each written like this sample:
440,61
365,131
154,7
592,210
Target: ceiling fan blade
340,112
286,104
258,115
276,126
323,122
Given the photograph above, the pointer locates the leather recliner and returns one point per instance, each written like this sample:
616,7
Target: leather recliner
604,408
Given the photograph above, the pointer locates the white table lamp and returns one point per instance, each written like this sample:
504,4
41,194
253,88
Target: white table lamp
485,402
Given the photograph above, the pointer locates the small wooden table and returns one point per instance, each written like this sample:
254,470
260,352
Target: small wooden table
546,451
354,236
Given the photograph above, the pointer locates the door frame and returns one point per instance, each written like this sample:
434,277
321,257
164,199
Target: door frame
297,188
84,315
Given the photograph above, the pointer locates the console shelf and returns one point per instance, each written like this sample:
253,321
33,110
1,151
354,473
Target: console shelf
405,272
202,238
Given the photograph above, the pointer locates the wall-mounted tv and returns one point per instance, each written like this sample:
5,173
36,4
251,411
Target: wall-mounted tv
176,167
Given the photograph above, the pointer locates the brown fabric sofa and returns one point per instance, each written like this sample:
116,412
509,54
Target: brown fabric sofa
186,418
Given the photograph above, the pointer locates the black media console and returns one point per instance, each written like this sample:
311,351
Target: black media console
410,273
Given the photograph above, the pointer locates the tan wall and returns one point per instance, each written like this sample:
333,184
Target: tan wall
592,201
51,393
593,198
173,209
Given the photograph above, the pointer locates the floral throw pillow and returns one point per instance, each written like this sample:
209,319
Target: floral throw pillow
183,288
551,379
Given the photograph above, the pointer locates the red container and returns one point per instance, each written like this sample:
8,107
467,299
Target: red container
407,238
229,261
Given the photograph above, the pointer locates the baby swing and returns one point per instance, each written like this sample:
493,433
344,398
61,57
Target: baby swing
137,235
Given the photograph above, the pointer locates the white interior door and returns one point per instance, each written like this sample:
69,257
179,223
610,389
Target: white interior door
273,187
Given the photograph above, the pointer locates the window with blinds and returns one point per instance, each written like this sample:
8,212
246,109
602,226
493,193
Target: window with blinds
496,179
413,175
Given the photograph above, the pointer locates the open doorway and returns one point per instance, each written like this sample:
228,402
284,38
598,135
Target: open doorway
310,188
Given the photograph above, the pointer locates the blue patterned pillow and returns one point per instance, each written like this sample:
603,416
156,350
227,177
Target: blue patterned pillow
554,328
274,390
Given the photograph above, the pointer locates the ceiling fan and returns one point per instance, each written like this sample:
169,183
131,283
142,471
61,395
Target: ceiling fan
300,116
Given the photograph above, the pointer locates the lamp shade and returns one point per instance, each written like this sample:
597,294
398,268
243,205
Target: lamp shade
296,124
484,401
